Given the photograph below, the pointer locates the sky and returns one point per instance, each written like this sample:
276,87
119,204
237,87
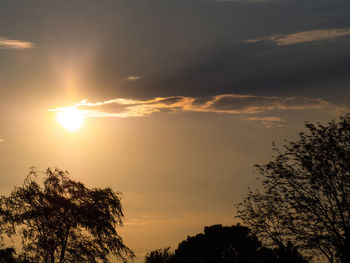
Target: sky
178,98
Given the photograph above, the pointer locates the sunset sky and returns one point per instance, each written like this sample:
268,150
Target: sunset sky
177,99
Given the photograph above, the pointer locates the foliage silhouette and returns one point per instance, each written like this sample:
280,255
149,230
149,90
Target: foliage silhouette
159,256
224,244
305,196
61,220
7,255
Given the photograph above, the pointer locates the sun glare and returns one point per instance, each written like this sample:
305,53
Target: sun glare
71,119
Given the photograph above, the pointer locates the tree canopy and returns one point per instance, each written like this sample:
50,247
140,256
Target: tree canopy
159,256
305,193
7,255
224,244
61,220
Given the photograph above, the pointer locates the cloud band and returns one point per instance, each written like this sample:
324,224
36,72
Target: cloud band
235,104
302,37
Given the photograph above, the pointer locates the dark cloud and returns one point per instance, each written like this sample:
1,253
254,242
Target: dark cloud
191,48
320,69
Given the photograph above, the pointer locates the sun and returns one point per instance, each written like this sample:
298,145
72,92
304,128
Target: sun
71,119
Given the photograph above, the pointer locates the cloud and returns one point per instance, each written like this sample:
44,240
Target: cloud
121,107
303,37
247,104
268,121
2,140
6,43
253,107
132,78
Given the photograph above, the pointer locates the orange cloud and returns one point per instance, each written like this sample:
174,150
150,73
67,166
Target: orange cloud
133,78
14,44
253,106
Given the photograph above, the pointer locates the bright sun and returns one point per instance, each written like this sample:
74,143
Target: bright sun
71,119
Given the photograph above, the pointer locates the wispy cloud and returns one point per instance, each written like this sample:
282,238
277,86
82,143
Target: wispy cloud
253,107
248,104
303,37
133,78
6,43
268,121
121,107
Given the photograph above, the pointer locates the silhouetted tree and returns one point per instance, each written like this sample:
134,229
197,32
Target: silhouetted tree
219,244
305,196
288,254
159,256
223,244
7,255
61,220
